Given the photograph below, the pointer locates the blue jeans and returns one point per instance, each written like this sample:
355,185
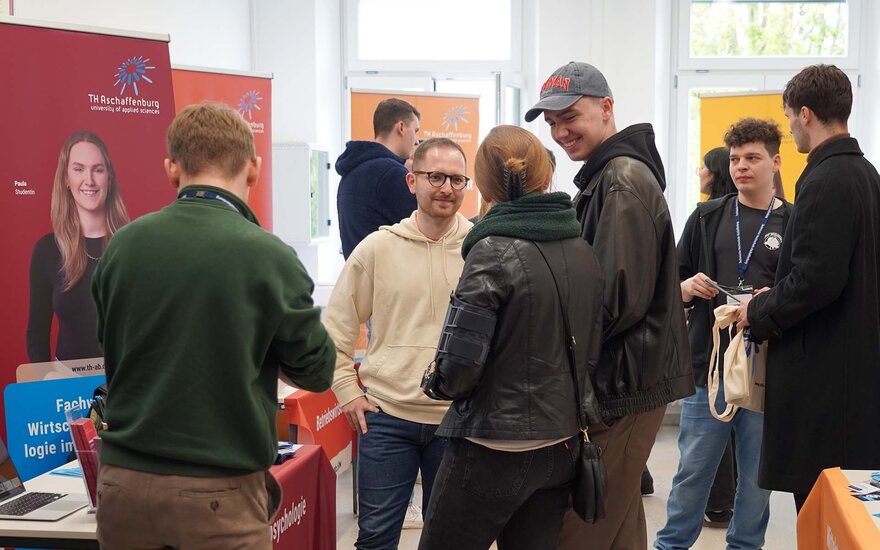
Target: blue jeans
701,441
390,456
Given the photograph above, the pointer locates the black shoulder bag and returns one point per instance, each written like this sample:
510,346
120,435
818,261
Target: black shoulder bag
591,478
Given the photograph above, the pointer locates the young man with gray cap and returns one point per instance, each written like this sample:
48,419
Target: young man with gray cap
645,361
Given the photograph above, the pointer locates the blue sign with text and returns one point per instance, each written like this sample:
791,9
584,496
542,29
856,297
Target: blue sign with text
36,428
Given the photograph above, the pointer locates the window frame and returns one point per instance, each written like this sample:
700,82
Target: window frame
763,63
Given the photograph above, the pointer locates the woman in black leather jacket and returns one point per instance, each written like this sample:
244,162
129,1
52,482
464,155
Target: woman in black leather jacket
502,359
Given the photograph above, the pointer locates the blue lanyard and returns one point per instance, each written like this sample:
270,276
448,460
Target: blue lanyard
742,266
203,194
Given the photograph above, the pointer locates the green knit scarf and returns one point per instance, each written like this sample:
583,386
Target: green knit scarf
534,217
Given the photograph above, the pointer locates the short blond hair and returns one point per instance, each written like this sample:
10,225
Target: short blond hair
210,136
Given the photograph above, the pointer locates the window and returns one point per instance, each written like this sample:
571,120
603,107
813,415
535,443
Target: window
453,30
427,35
747,45
773,34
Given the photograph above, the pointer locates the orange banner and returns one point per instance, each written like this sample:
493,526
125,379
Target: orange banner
443,115
252,96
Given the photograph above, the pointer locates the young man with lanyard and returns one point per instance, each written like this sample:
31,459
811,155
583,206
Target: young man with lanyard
733,241
199,312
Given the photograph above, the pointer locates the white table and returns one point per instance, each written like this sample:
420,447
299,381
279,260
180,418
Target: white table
74,531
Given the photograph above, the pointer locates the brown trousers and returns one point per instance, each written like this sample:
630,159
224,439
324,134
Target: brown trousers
626,445
140,510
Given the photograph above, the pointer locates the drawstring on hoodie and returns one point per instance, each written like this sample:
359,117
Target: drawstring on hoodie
431,277
443,262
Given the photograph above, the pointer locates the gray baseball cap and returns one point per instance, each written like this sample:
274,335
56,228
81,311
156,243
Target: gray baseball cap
568,84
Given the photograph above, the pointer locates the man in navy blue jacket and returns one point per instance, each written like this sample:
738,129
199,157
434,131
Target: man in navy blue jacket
373,190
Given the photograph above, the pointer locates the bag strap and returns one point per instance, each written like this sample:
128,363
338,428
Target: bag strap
714,359
570,343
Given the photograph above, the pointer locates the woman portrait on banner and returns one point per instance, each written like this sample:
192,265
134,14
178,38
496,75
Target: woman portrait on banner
86,210
509,469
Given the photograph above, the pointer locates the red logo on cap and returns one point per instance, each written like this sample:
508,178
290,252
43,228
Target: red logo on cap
556,82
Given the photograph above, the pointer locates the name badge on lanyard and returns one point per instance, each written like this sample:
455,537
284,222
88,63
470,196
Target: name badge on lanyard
742,292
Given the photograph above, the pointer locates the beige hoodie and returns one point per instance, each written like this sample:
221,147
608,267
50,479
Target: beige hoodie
402,281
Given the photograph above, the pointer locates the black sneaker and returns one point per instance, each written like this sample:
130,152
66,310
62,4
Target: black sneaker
719,519
647,483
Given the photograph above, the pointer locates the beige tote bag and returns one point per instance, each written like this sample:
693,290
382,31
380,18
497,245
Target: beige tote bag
745,367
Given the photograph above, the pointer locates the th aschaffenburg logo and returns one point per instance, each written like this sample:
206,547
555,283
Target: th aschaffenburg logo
131,72
248,103
453,116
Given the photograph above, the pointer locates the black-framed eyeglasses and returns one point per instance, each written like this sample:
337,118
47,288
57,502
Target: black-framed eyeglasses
437,179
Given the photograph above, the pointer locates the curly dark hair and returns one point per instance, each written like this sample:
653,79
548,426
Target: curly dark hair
824,89
751,130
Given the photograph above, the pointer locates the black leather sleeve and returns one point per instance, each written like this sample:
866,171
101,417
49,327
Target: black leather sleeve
461,352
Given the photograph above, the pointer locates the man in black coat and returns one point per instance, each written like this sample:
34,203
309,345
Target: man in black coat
822,318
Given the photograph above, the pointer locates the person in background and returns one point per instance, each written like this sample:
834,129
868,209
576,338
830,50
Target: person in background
373,190
822,316
399,277
778,188
715,180
199,312
87,209
719,507
503,358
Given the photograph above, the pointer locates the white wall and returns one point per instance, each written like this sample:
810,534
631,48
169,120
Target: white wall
561,39
869,114
300,44
215,34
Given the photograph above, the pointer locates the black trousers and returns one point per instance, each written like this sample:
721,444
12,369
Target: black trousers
481,495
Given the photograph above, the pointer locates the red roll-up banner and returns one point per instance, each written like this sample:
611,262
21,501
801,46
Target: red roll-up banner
252,96
82,145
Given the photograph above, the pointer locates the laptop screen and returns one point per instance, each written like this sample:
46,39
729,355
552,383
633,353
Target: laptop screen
10,483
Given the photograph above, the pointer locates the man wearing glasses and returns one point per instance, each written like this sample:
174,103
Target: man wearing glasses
400,278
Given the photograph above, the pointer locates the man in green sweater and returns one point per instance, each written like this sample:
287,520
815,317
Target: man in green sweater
199,312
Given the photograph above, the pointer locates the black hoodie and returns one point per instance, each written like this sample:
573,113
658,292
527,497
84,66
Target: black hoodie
645,360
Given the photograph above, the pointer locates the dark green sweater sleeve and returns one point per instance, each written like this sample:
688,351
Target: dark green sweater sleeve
305,351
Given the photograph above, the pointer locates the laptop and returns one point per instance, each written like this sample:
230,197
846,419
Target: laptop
18,503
